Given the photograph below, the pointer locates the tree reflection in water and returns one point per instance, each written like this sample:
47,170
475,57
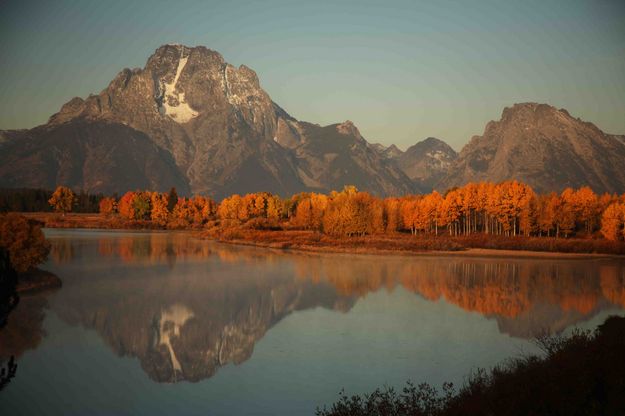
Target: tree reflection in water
184,321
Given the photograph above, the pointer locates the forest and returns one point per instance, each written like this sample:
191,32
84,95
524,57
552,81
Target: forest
36,200
506,209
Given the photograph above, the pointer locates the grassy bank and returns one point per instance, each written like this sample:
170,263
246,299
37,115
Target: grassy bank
477,244
79,220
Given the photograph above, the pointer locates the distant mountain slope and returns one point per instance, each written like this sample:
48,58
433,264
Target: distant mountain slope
96,156
544,147
332,156
216,123
427,162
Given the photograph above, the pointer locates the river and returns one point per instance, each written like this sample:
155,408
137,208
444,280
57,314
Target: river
164,323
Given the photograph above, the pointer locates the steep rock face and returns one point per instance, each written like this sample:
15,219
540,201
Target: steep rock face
427,162
97,156
213,118
544,147
223,131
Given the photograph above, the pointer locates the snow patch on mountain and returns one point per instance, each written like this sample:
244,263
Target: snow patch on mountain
174,103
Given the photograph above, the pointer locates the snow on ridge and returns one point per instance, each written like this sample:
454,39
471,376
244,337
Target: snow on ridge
439,156
179,110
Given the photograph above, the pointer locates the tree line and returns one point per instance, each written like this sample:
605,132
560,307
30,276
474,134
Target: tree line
36,200
509,208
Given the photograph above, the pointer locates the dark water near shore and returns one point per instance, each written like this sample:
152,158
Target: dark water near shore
162,323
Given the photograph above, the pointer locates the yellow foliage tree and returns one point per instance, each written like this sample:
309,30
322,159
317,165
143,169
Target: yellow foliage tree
612,222
62,199
160,210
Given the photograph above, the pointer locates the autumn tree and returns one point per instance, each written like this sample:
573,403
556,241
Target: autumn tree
546,215
259,209
378,219
23,240
612,222
565,213
62,200
391,214
348,213
409,211
183,213
142,205
126,205
229,208
108,206
160,208
587,208
275,208
528,218
450,211
303,214
204,209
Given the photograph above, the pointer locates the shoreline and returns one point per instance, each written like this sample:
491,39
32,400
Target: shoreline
467,252
36,281
475,245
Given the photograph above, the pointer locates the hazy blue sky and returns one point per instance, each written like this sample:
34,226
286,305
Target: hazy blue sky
401,70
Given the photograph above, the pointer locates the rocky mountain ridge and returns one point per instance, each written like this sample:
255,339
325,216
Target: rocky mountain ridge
191,120
544,147
222,130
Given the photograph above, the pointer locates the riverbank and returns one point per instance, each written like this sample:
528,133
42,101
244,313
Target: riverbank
406,244
94,221
474,245
36,280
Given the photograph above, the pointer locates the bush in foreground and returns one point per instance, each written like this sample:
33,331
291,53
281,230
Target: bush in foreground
23,240
583,374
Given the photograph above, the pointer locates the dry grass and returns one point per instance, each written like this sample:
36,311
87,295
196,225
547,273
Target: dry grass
75,220
544,244
403,242
315,241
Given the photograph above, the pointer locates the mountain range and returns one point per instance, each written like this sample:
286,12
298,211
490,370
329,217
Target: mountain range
189,119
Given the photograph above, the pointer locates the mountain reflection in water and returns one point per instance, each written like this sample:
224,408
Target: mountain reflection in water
186,307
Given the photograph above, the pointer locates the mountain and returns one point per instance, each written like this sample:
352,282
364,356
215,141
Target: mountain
221,129
98,156
389,152
330,157
427,162
544,147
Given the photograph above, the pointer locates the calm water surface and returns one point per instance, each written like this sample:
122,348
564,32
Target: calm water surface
162,323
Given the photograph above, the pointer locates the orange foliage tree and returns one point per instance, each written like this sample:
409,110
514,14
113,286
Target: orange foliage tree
23,240
509,208
612,222
160,208
126,206
310,210
108,206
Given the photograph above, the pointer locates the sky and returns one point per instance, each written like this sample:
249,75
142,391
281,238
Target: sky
400,70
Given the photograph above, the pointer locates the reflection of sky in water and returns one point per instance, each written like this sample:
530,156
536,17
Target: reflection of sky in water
137,308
